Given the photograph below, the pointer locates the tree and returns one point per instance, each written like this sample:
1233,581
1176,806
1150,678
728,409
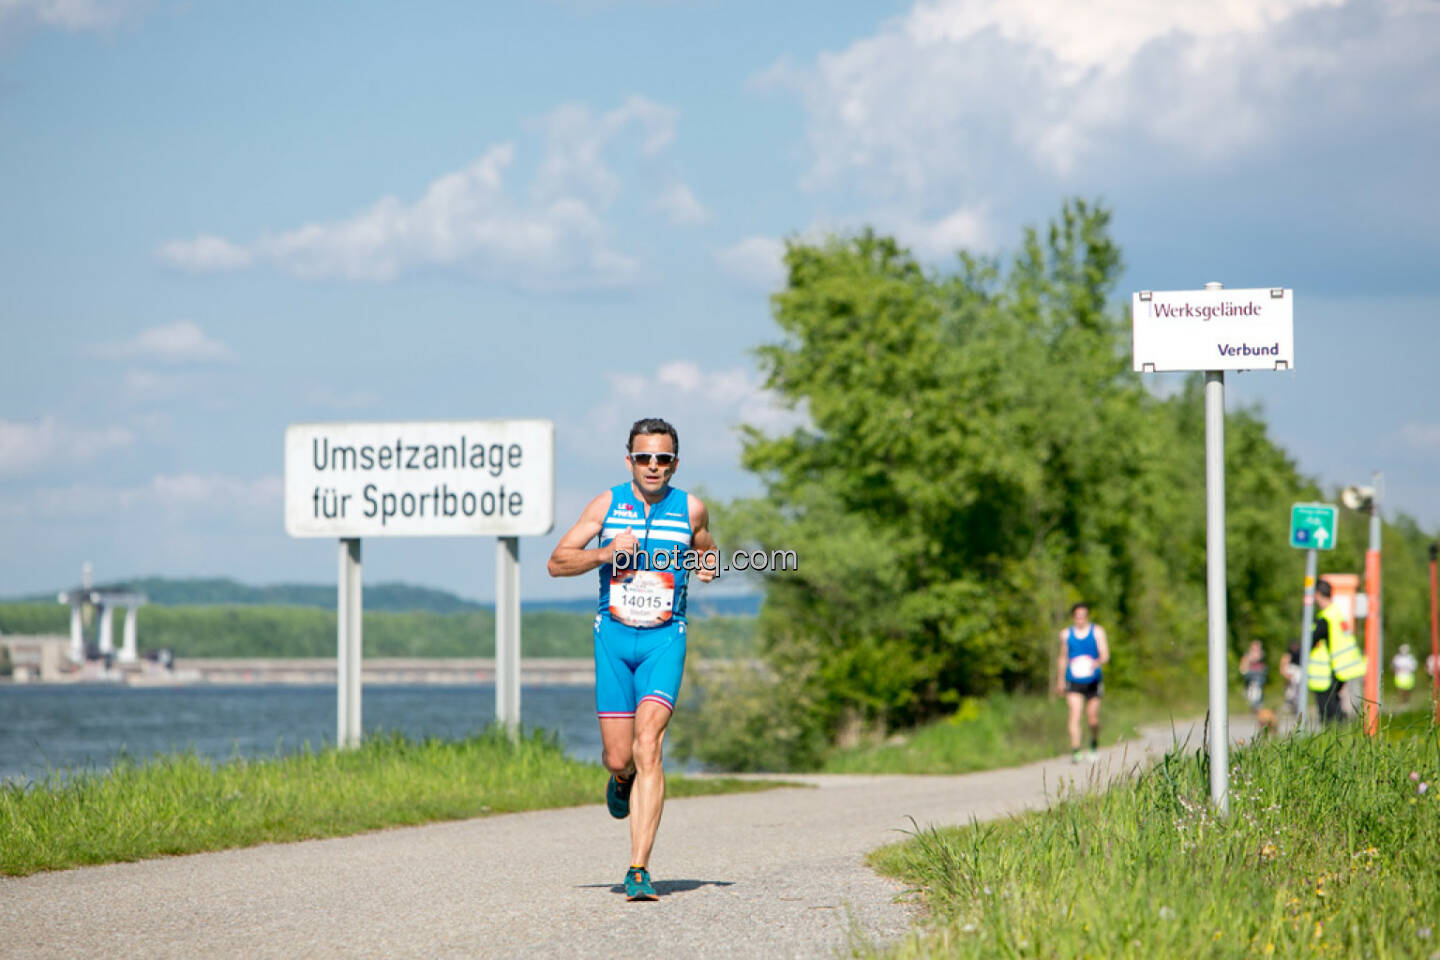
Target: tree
979,456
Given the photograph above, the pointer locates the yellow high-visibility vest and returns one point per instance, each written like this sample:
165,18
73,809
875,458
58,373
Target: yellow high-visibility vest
1317,677
1346,660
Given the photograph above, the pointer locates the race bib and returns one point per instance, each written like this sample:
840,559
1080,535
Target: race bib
642,598
1082,667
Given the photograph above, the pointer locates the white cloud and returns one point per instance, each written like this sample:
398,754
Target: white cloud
576,141
680,205
756,261
553,237
173,496
179,342
958,99
204,254
67,14
962,229
28,446
706,407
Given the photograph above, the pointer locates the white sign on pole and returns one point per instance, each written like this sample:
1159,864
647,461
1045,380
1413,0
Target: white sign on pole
1213,329
491,478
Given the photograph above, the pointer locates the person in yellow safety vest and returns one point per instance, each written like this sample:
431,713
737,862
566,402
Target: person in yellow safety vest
1334,656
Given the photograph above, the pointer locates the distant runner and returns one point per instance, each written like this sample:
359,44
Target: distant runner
1254,672
1084,649
651,537
1403,666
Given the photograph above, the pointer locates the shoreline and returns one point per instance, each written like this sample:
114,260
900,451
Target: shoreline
318,671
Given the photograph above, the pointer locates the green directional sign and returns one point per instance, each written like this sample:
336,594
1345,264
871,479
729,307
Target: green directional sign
1312,526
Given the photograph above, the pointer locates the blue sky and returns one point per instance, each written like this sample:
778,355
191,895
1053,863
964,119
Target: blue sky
218,219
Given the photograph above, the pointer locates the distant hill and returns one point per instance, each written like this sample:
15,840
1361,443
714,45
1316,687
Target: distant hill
387,597
222,590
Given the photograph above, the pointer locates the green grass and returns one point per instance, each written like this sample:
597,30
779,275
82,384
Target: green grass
1000,731
1330,849
183,803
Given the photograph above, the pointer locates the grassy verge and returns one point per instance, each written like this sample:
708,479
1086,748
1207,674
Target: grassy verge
185,804
1001,731
1329,850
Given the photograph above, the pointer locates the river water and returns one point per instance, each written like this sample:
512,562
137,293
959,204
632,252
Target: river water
84,726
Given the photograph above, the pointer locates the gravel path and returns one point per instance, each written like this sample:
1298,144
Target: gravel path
774,874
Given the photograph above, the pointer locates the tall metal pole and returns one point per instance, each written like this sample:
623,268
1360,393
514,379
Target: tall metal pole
1215,585
1307,624
1374,649
349,612
1435,629
1377,526
507,634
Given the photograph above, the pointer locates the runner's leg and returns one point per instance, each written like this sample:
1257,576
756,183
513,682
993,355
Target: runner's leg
647,798
615,696
657,684
617,736
1076,704
1092,714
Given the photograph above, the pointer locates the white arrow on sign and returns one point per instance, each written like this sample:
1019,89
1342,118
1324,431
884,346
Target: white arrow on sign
1321,536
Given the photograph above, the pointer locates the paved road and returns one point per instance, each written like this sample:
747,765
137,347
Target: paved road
776,874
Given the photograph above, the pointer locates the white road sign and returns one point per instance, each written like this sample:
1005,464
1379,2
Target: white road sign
1214,329
489,478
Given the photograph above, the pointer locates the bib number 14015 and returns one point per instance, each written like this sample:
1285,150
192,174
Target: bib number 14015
642,598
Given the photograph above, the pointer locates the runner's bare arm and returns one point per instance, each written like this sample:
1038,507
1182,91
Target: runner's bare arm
702,541
1103,642
570,557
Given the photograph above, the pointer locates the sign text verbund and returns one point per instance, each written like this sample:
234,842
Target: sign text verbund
1214,329
449,478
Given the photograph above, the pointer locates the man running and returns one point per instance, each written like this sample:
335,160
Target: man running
651,537
1084,649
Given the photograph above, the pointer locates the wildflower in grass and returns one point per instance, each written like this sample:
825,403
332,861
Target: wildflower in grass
1414,774
1423,787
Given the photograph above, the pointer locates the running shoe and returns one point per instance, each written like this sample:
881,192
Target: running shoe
617,797
637,885
1074,756
1093,756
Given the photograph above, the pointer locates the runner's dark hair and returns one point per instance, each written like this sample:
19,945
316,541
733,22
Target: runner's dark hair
652,425
1077,606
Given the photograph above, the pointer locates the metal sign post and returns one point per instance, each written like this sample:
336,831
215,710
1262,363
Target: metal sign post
1307,627
349,608
445,478
1214,330
1215,587
507,635
1313,527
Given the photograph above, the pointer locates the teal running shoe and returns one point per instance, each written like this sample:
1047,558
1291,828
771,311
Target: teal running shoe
637,885
617,796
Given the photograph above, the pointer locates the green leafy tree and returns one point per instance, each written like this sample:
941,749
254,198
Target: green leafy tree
979,456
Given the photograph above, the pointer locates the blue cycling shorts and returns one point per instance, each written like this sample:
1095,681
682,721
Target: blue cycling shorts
636,664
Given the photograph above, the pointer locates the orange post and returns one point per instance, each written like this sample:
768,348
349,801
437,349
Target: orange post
1435,631
1372,642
